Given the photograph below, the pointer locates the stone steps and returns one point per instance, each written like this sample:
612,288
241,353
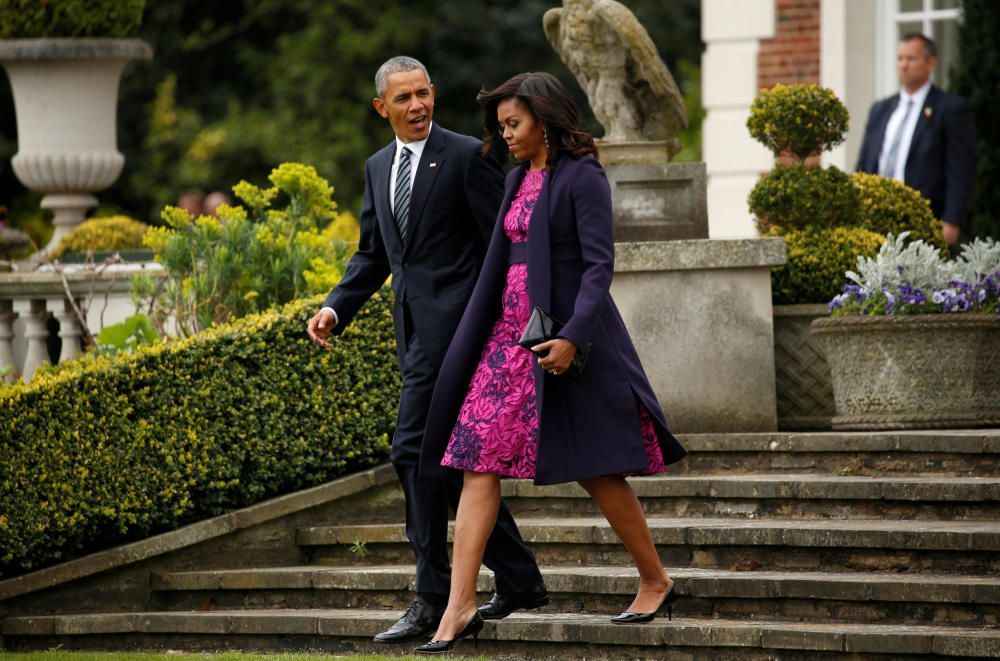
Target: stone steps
780,495
525,636
915,453
780,596
781,544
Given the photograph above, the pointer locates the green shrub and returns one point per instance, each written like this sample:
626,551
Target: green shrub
108,233
249,258
890,206
798,196
70,18
798,119
817,260
114,449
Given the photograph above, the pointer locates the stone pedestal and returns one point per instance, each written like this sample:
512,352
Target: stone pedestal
699,312
654,200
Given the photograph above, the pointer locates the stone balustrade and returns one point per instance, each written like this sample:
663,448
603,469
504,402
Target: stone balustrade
38,323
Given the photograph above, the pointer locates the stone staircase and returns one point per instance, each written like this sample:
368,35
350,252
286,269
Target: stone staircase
783,546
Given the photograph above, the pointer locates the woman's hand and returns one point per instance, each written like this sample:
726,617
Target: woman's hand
561,352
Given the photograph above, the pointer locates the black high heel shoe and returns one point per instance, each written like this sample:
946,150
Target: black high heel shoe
473,628
628,617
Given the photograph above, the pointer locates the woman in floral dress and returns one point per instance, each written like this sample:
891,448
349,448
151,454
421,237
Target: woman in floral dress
502,410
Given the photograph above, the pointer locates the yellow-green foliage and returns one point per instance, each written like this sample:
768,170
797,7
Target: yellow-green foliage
119,448
69,18
887,205
818,257
799,119
798,196
108,233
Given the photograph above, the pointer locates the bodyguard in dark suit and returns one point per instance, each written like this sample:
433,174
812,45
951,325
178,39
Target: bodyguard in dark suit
429,204
924,137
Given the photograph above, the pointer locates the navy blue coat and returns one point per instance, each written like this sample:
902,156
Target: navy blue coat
589,426
941,163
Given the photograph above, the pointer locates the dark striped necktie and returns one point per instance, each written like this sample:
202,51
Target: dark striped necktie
402,195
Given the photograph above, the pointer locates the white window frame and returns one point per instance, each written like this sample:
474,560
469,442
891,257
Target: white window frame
889,16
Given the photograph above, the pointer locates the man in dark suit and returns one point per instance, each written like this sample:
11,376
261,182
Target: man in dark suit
429,207
924,137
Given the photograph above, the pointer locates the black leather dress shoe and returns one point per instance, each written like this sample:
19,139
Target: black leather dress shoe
420,620
502,605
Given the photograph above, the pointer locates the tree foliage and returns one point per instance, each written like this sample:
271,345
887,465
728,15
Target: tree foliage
978,80
239,86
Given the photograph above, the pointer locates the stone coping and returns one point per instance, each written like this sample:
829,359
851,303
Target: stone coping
74,49
809,533
196,533
615,580
698,254
543,627
116,278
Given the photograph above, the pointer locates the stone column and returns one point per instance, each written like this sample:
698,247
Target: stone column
35,314
6,338
69,331
700,315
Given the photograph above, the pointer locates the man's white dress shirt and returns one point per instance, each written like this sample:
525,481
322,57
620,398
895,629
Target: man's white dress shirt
893,127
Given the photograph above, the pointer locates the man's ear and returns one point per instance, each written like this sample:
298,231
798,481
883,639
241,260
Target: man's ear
379,106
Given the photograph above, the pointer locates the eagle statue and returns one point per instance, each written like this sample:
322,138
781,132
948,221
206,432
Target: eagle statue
630,89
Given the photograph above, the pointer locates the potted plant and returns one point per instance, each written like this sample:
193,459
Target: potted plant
827,217
98,239
64,60
912,339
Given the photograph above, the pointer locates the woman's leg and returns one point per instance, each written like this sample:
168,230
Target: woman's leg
621,508
474,521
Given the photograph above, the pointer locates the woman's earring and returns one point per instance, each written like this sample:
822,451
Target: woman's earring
545,135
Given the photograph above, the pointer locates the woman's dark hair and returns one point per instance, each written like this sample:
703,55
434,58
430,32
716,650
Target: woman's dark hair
550,103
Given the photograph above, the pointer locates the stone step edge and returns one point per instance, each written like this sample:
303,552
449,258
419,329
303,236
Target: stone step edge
982,441
197,533
705,583
825,533
785,485
549,628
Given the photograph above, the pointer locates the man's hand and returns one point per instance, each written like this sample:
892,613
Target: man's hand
320,327
560,355
950,232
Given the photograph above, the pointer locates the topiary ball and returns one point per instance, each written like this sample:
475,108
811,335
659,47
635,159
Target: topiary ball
817,258
70,18
108,233
797,196
887,205
799,119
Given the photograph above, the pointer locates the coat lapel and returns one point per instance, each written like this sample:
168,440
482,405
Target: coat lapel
883,126
431,162
383,208
923,120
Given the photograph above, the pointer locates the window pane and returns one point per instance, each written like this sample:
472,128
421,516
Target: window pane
911,5
945,35
946,4
909,27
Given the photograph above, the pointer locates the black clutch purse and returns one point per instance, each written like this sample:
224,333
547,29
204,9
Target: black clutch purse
543,327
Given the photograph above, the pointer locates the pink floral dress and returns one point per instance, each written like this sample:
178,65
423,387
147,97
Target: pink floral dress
497,427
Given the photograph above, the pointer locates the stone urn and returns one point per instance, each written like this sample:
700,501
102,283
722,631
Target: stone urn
915,371
65,98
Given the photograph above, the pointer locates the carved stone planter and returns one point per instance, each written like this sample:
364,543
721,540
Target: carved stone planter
914,372
65,99
802,375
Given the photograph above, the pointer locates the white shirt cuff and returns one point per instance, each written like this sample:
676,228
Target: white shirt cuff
336,319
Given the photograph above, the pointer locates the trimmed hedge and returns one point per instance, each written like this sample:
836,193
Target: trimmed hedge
22,19
816,262
801,119
798,196
106,233
105,451
890,206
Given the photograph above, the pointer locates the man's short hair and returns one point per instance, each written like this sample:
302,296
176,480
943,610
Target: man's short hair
398,64
930,49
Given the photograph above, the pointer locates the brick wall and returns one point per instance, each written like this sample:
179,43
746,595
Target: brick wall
792,56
